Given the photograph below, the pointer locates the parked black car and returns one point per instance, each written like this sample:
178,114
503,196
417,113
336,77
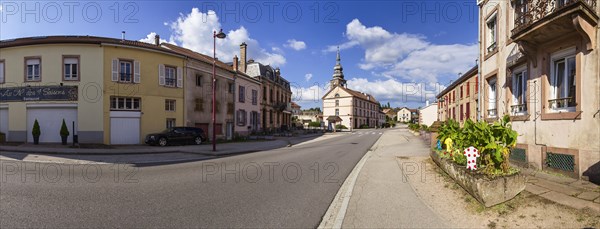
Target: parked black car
177,135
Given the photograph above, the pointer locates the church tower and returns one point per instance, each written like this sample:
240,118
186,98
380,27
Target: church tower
338,73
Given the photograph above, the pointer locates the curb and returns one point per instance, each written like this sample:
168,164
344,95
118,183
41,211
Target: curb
335,214
87,153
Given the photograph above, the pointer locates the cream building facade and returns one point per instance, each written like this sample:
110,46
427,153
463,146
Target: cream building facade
540,65
404,115
356,109
428,114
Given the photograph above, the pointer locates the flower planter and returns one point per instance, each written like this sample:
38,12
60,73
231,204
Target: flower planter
488,191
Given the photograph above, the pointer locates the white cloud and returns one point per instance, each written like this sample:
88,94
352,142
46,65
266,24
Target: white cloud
310,94
308,76
195,31
150,39
395,91
295,45
406,56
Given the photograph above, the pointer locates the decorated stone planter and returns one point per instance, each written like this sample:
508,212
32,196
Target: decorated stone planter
488,191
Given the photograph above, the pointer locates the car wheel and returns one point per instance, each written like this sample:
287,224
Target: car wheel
162,142
198,140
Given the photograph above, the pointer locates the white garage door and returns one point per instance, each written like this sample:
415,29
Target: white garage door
50,120
4,121
124,127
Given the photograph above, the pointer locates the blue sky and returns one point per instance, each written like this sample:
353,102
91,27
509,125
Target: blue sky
391,49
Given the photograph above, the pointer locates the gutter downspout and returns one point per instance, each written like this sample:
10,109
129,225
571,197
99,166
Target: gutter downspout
479,82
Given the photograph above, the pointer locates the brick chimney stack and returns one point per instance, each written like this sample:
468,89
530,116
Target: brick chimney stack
235,63
242,66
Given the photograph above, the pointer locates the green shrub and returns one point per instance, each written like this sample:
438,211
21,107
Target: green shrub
414,127
314,124
36,129
493,141
64,131
340,127
364,126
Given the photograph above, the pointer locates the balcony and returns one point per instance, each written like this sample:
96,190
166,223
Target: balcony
541,21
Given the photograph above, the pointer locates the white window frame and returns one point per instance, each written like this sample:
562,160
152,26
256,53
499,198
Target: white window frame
131,101
170,76
492,100
171,122
492,33
337,112
2,72
36,69
170,104
73,64
519,89
254,97
125,63
563,56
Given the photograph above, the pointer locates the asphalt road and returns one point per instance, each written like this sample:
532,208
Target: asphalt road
287,187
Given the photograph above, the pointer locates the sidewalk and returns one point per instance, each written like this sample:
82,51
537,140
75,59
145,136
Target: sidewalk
380,197
205,148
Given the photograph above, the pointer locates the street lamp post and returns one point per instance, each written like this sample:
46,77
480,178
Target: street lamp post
351,124
216,35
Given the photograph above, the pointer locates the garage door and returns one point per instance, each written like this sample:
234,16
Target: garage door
4,121
50,120
124,128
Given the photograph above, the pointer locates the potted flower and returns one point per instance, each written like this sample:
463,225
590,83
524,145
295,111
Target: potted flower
64,132
36,132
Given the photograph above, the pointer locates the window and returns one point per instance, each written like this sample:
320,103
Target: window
71,68
169,105
519,91
2,78
264,93
254,97
170,123
198,80
125,71
520,12
563,83
241,117
271,95
271,116
492,36
468,89
337,103
461,113
468,108
231,87
492,98
34,69
199,102
461,92
124,104
242,94
337,112
170,76
337,95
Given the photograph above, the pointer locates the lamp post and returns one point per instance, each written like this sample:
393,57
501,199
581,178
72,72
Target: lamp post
216,35
351,124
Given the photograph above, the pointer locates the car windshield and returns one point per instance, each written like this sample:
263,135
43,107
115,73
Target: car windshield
167,130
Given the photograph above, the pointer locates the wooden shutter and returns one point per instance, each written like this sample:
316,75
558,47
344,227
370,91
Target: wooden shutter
161,74
179,77
136,72
115,70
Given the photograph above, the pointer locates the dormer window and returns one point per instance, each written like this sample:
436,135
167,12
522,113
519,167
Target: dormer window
337,95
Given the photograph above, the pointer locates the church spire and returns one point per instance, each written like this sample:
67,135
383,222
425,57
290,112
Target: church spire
338,72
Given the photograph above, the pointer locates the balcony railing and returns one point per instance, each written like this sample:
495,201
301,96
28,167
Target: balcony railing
492,112
534,10
561,103
170,82
520,108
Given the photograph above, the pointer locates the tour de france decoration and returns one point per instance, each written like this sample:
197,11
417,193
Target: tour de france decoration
472,154
448,143
439,145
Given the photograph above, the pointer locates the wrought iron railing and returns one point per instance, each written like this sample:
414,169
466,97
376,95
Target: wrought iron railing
170,82
529,11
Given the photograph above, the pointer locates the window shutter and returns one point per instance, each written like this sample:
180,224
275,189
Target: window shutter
161,75
115,70
179,77
136,72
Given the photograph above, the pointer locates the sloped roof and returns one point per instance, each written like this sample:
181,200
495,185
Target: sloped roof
79,40
472,72
197,56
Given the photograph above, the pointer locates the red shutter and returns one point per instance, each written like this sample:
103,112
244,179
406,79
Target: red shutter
468,89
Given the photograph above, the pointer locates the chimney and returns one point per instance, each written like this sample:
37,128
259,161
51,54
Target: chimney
157,40
235,63
122,35
243,47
